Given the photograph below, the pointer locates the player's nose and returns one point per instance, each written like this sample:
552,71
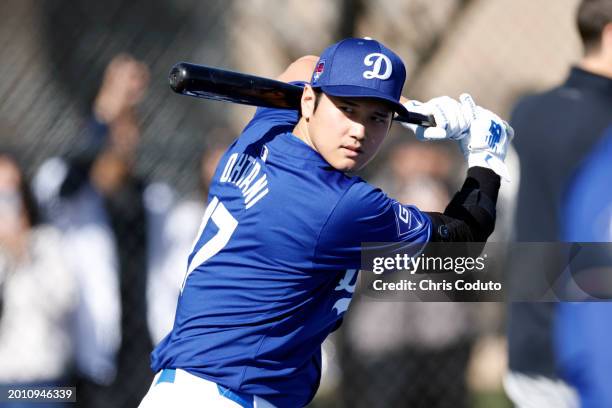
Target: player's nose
357,130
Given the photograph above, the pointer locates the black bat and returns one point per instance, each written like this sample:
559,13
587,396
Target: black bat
223,85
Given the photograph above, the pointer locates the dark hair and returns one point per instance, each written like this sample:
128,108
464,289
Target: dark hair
29,203
318,94
591,18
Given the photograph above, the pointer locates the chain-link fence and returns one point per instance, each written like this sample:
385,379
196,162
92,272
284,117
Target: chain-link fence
52,62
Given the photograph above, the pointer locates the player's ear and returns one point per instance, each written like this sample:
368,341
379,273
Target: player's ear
308,102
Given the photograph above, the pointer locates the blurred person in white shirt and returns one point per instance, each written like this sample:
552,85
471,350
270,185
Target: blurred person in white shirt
37,291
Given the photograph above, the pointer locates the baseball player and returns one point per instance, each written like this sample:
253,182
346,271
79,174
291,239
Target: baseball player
275,263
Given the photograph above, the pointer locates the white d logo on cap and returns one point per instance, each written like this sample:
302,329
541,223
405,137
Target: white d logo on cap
376,59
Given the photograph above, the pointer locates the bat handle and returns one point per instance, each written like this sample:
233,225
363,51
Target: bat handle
417,119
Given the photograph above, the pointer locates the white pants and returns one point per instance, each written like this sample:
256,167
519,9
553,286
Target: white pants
527,391
178,388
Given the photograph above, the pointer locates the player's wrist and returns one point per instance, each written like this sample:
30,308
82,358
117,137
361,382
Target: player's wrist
488,160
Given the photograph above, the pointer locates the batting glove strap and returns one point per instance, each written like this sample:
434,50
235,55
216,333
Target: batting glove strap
489,161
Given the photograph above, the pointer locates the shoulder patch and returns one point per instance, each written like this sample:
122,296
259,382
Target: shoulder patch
403,218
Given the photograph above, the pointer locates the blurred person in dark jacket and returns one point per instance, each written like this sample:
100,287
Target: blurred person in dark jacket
37,291
557,129
116,228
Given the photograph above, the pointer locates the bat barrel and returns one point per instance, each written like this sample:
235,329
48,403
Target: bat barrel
219,84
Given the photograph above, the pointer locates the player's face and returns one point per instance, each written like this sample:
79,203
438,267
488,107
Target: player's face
348,132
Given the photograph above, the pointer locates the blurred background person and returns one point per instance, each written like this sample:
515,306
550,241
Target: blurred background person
118,242
37,291
556,131
209,161
186,214
582,330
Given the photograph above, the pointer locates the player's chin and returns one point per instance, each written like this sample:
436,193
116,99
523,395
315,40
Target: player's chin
349,164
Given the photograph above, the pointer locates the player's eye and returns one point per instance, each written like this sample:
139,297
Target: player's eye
379,119
346,109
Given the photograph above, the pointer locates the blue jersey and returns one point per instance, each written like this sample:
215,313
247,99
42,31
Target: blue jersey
275,264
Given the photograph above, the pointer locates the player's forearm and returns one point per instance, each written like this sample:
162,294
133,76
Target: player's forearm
470,216
299,70
80,161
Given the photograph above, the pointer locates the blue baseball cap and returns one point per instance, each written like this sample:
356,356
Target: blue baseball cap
361,68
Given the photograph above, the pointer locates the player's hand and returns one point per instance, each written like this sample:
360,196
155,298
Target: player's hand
452,119
488,139
123,87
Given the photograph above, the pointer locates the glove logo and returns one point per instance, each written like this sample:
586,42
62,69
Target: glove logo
375,60
494,135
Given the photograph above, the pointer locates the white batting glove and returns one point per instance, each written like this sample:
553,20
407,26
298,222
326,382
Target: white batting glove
452,119
488,138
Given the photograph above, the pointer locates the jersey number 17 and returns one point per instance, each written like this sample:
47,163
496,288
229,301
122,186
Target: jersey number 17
226,224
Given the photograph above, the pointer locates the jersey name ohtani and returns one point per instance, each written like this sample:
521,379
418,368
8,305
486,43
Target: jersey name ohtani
242,170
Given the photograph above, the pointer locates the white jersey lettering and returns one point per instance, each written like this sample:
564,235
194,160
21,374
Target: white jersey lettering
242,171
